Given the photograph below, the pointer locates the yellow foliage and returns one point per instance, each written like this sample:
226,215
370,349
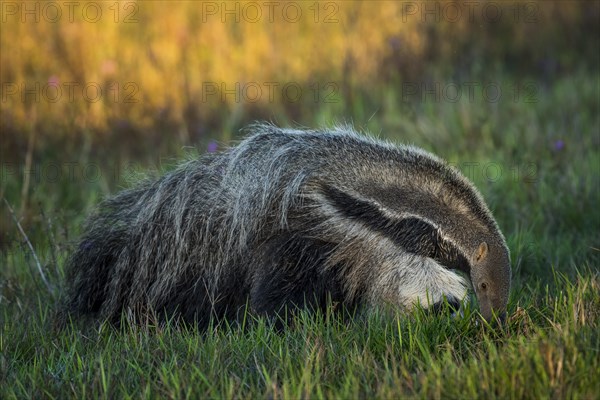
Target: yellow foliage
169,51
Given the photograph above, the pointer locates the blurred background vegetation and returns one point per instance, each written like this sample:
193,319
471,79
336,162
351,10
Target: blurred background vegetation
92,91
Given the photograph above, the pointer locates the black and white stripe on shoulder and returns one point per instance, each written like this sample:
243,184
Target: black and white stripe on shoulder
412,233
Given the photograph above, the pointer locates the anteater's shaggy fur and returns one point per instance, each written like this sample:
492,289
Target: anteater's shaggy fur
287,218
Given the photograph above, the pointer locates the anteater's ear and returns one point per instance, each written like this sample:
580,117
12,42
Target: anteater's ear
482,251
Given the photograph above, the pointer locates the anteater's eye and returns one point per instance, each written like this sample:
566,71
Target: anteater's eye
483,285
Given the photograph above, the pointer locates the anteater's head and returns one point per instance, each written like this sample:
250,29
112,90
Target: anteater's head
490,276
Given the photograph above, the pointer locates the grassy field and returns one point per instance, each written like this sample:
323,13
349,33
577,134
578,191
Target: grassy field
537,165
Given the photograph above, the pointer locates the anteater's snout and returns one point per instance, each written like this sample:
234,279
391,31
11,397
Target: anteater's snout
496,319
502,318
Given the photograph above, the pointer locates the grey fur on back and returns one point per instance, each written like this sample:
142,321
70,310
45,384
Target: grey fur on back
286,218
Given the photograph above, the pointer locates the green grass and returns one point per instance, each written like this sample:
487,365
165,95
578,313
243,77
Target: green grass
550,347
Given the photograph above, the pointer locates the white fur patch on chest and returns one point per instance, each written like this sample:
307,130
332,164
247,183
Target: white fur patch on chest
410,279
